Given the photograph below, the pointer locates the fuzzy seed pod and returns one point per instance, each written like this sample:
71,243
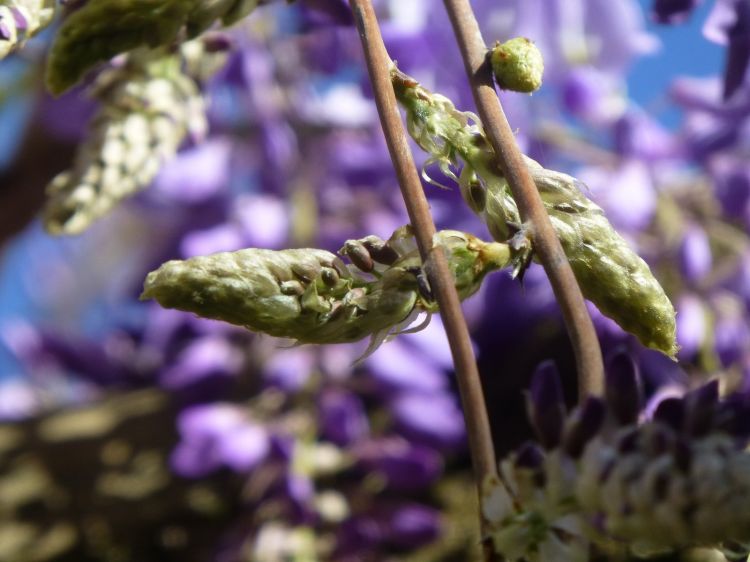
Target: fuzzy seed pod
610,274
518,65
148,105
310,296
22,19
102,29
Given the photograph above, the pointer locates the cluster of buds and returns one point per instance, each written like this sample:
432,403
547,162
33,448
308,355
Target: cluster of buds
98,31
601,482
610,274
148,105
312,296
22,19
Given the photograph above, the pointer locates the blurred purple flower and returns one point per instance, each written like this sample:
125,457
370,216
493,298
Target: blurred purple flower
396,366
218,435
203,358
695,254
672,11
627,194
289,369
404,466
639,136
342,416
197,173
604,33
731,331
596,97
729,24
407,525
692,328
325,12
731,177
433,418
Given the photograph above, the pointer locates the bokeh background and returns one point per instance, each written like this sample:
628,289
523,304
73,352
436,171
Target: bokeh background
131,432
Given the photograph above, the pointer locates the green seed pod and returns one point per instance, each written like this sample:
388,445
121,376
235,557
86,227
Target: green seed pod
102,29
518,65
306,294
148,105
22,19
610,274
470,259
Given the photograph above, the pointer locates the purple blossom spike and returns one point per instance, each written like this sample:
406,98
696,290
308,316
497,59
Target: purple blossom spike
413,525
695,254
691,325
546,404
729,24
672,11
217,435
404,466
733,416
585,423
22,24
5,31
529,456
623,388
431,418
671,412
342,416
701,406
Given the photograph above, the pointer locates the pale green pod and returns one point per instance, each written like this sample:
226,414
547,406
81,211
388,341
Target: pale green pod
310,296
102,29
148,106
247,288
470,259
610,274
21,20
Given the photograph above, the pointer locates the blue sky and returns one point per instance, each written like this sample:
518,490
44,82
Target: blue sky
684,51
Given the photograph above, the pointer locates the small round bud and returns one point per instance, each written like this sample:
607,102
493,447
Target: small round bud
518,65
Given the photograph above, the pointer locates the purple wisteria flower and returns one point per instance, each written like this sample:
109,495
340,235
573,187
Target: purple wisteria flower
601,482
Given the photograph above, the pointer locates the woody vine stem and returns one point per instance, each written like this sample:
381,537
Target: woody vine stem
472,397
546,244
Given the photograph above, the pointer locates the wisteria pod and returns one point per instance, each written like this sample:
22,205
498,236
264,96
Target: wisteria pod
310,296
609,272
148,106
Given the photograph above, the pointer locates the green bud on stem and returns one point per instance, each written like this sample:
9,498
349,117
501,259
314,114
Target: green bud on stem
610,274
518,65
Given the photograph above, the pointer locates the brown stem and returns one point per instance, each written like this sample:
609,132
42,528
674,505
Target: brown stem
441,280
530,207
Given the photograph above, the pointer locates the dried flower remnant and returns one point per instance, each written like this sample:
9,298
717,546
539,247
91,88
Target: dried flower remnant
612,486
148,106
610,274
22,19
518,65
311,296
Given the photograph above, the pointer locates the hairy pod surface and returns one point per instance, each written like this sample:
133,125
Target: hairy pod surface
310,296
610,274
148,106
101,29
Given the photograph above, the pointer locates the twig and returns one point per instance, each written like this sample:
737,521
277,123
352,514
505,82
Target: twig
530,207
441,280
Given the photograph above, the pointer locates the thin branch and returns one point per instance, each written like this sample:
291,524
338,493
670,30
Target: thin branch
530,207
441,280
